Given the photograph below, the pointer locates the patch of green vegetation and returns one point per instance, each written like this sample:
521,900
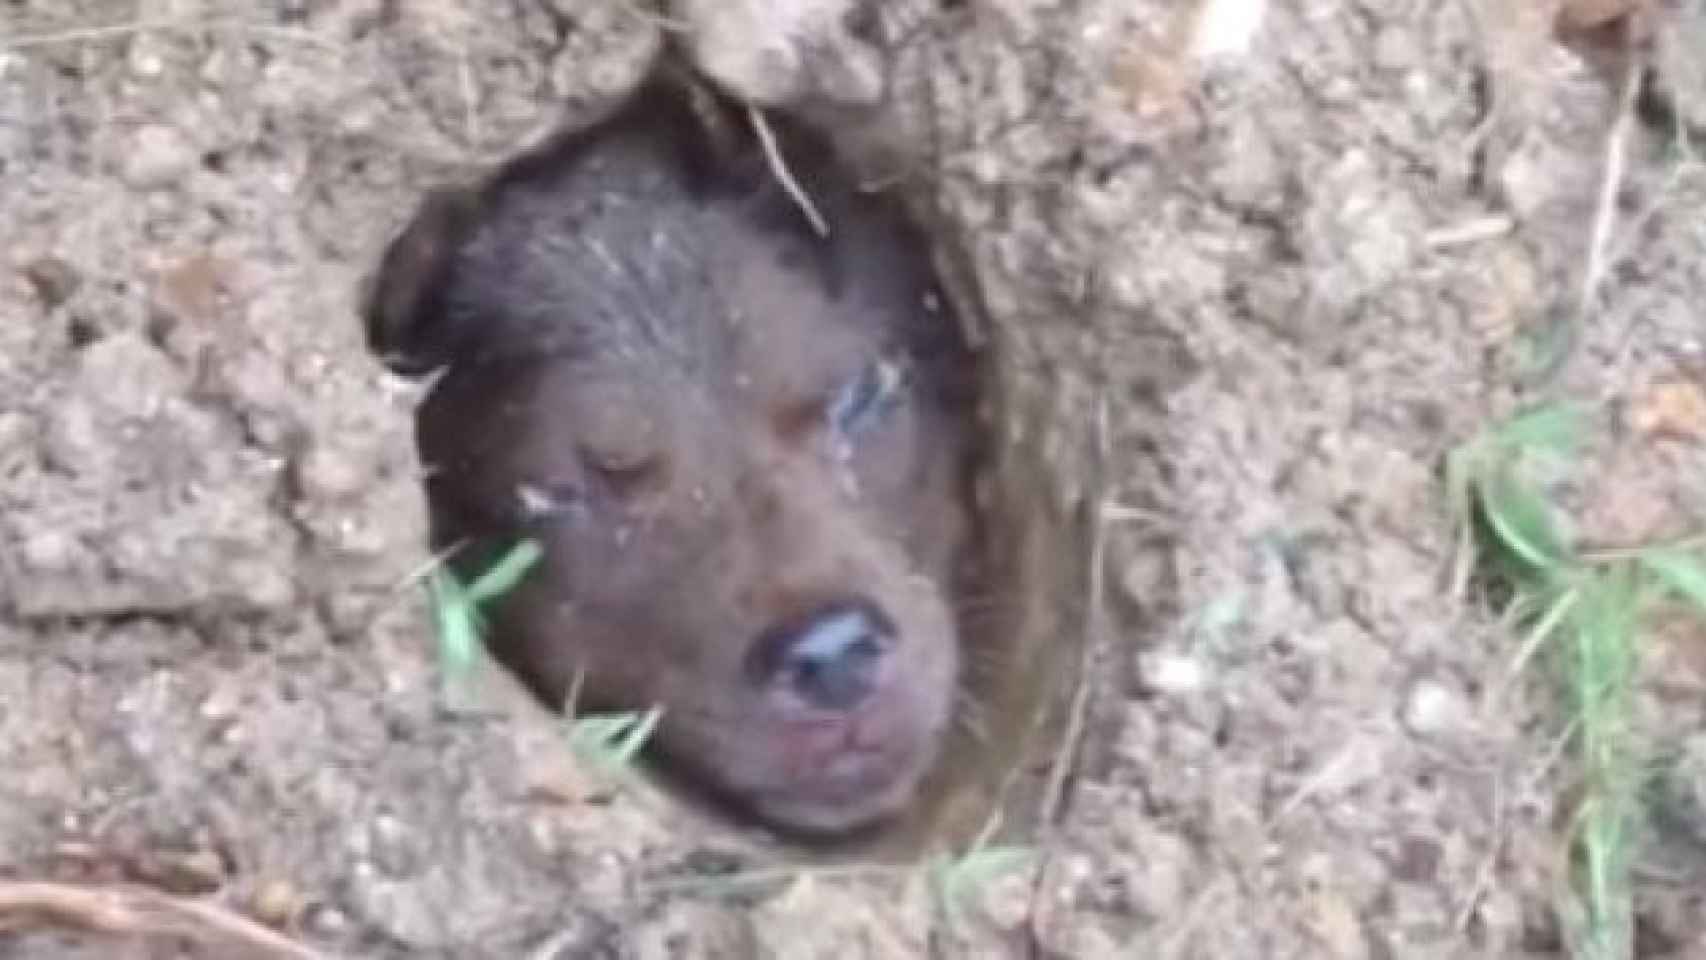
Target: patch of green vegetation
611,741
958,880
456,608
1590,606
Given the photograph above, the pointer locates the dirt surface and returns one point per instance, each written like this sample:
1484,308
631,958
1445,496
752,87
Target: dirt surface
1250,304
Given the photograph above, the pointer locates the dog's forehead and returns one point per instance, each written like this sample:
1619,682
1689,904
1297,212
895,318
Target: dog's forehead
789,327
629,271
727,301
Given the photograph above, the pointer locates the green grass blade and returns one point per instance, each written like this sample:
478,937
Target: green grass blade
629,744
1555,429
502,576
612,740
456,609
458,623
1684,572
1603,675
1521,520
956,880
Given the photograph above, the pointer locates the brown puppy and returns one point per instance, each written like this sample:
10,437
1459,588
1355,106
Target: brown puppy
741,445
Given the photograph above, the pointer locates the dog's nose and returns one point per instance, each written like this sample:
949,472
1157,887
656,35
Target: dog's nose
829,658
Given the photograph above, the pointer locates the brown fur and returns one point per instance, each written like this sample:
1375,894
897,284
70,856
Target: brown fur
648,362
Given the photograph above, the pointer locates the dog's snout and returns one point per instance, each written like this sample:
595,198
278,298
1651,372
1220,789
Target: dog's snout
829,659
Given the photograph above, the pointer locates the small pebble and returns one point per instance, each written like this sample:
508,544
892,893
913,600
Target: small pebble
1174,674
1395,49
327,473
276,903
258,583
1432,708
49,550
1418,859
326,921
222,704
198,871
53,280
393,849
348,613
214,69
157,156
1333,918
147,60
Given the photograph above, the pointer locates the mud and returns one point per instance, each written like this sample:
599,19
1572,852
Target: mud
1234,313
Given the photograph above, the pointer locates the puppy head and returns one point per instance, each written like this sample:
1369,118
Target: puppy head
732,438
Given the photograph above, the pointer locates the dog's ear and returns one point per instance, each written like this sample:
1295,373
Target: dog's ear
402,306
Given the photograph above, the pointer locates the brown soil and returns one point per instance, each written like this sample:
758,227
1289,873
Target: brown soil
1291,281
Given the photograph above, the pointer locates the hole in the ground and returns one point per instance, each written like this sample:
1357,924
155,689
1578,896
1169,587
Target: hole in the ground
746,450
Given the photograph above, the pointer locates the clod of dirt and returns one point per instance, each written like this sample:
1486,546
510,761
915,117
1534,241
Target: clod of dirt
276,903
1593,14
1682,795
478,76
837,922
393,848
329,471
159,156
1172,674
1357,236
1674,410
190,872
53,280
779,54
123,413
838,64
1681,62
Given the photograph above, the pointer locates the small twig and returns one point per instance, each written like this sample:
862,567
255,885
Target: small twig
1554,753
1053,803
1612,554
104,32
1655,203
1126,513
426,567
1469,231
1611,181
747,879
779,168
572,699
179,24
1489,863
662,21
131,911
557,944
1463,562
1325,774
1537,637
471,130
1071,739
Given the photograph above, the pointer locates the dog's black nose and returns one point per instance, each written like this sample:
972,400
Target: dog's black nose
828,658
